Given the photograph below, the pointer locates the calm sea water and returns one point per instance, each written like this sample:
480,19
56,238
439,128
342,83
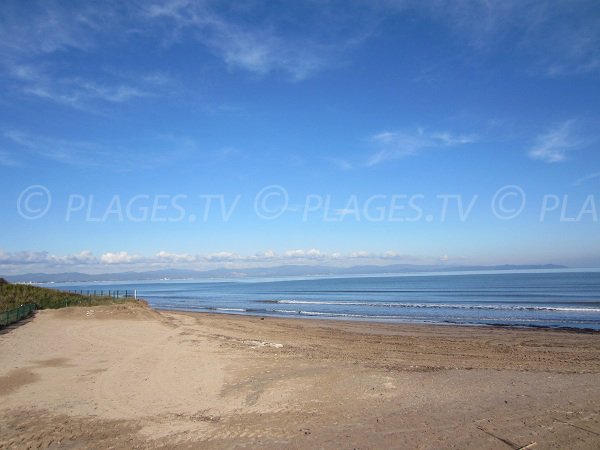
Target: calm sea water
549,299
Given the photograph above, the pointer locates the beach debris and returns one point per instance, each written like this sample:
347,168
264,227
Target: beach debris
504,440
525,447
89,312
201,416
258,344
577,426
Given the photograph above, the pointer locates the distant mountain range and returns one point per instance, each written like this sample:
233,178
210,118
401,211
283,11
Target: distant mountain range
279,271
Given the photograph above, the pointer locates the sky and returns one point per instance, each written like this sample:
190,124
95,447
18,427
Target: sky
142,135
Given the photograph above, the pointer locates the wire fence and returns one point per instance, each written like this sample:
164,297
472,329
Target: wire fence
105,293
16,314
80,298
32,298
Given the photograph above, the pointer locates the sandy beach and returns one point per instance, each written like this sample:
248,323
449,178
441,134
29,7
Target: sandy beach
126,376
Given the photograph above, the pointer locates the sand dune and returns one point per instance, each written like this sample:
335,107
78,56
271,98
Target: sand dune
129,377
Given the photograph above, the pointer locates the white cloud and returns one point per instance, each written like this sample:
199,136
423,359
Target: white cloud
295,253
82,258
175,257
267,254
394,255
223,257
32,257
86,261
400,144
360,254
314,253
554,145
23,258
119,258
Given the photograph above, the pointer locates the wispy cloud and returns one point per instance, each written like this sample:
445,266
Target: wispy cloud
400,144
555,38
85,94
566,40
343,212
41,47
585,179
77,92
554,145
51,27
8,160
270,43
148,153
64,151
341,164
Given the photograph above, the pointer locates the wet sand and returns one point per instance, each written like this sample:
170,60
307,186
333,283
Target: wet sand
129,377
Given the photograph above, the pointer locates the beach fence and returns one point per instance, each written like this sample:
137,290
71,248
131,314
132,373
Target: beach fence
83,298
127,293
16,314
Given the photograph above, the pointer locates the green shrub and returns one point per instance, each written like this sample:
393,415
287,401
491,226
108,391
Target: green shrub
14,295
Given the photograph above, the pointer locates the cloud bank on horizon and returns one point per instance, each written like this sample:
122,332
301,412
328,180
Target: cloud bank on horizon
336,98
115,261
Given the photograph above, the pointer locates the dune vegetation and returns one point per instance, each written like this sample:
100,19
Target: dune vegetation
14,295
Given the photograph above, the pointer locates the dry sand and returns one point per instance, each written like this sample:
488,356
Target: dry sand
129,377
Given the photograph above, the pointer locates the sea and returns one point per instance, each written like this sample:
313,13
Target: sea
548,298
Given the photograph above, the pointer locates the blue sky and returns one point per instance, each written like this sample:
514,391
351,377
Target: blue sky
351,114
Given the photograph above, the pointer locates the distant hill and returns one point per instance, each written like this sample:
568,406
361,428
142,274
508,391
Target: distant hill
279,271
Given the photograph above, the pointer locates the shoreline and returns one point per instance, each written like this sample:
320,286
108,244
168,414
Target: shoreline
128,376
396,322
439,342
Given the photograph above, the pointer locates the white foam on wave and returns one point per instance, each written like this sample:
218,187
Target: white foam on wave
444,305
331,314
